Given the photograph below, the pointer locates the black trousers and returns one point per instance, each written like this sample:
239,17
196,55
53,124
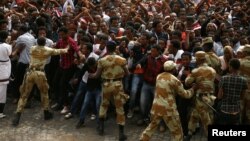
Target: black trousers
19,75
228,119
61,85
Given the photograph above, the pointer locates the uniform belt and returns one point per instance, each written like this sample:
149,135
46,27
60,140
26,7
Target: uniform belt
36,69
111,80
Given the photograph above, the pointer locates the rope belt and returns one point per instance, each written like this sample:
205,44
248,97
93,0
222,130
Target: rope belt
3,80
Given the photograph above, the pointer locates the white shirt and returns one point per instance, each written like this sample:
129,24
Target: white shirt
86,74
5,64
29,41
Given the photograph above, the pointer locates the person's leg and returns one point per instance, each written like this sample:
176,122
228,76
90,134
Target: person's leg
204,115
98,103
78,99
19,76
148,132
56,89
64,84
174,125
192,123
3,91
25,90
144,99
136,80
106,94
84,108
43,87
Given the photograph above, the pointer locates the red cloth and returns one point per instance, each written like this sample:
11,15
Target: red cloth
67,60
153,68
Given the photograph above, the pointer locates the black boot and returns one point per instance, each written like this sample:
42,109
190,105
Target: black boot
16,119
47,115
101,127
122,136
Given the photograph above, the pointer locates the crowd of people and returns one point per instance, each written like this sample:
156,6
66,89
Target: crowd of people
180,64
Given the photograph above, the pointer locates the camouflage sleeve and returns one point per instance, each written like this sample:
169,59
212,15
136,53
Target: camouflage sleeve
190,79
55,51
182,92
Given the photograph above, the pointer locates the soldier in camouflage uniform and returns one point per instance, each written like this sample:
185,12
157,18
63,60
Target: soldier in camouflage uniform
204,76
245,71
112,69
213,61
36,75
164,106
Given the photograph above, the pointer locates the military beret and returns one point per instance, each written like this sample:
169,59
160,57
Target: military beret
169,65
207,40
200,55
246,48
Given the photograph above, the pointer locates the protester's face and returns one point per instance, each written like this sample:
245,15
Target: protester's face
202,19
143,40
185,60
103,27
115,23
231,32
176,8
171,49
93,28
243,41
210,27
84,50
236,8
159,27
154,52
3,26
191,10
162,44
63,35
225,42
41,33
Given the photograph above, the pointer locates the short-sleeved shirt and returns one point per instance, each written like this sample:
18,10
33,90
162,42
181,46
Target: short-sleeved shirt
233,86
112,66
28,40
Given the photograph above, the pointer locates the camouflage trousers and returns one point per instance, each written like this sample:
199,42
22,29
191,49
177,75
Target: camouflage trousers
172,122
200,112
113,90
245,108
31,78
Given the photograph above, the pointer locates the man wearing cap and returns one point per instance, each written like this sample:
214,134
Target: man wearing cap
244,70
164,106
112,69
203,75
